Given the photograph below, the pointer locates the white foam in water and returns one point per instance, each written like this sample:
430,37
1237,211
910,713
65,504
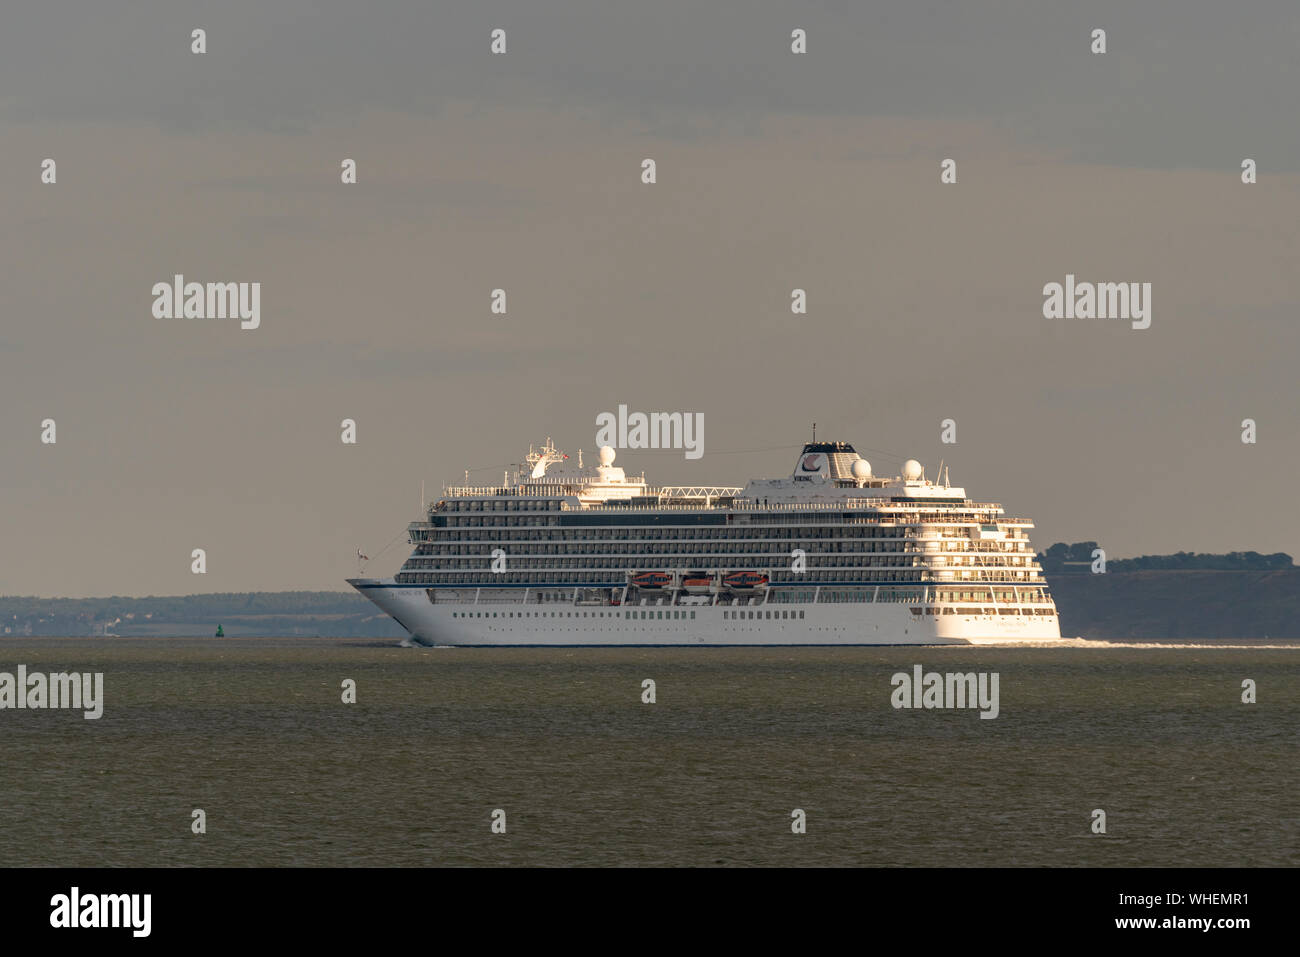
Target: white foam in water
1152,645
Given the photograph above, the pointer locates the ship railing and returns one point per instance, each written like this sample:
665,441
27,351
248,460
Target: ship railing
899,513
477,491
708,494
696,491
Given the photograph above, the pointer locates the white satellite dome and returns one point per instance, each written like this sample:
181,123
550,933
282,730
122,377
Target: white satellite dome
912,470
862,470
606,455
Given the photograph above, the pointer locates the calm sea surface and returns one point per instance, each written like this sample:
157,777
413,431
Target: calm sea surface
253,731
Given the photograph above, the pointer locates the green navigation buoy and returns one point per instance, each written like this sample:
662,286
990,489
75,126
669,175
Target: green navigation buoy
221,633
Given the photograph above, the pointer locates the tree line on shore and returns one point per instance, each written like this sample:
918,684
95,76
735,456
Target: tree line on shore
1065,559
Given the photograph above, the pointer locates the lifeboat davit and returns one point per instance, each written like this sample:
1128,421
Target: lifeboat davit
745,581
651,579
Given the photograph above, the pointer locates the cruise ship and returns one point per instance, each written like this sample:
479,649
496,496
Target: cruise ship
562,554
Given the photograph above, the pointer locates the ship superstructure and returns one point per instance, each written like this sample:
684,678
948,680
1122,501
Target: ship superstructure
562,554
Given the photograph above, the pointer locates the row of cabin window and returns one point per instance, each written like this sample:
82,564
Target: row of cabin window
567,614
638,614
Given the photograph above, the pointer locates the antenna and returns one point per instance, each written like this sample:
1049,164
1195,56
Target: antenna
814,431
422,506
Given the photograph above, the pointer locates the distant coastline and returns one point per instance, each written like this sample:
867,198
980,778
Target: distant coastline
1184,595
1187,595
286,613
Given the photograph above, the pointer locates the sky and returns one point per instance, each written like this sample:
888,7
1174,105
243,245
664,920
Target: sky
522,171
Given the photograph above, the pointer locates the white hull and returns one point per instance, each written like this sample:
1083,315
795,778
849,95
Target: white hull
566,624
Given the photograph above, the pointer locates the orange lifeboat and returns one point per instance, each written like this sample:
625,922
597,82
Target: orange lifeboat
745,581
651,579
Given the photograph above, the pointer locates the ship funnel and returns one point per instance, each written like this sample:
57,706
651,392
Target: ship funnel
832,461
